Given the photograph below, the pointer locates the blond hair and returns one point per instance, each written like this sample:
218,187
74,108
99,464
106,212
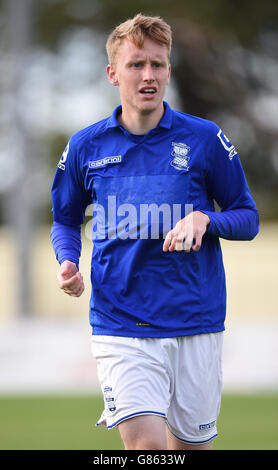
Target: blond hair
136,30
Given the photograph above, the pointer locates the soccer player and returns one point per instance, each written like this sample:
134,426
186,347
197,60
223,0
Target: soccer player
158,299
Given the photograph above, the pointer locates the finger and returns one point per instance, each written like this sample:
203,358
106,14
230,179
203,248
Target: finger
67,270
177,238
187,244
76,291
181,235
167,241
66,274
80,291
62,279
75,278
179,246
172,247
70,283
198,242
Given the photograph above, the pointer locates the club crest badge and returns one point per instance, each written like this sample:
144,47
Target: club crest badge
180,154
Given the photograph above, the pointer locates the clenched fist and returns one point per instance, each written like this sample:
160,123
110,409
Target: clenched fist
70,280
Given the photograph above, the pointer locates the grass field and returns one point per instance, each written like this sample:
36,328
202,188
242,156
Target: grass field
246,422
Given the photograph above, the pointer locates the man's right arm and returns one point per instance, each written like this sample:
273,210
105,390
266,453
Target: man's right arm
66,242
70,199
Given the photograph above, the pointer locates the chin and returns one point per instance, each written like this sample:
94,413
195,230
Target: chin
146,111
148,108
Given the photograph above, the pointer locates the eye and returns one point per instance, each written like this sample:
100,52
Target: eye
137,65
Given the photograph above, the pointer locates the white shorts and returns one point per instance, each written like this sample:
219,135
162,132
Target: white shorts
178,378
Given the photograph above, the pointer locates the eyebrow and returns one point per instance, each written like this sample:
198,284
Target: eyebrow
142,59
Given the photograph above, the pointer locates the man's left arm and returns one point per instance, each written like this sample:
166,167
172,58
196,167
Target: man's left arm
238,218
187,233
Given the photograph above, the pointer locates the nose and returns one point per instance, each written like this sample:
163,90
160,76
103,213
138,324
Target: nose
148,74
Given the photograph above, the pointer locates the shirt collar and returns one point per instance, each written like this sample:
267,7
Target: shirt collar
165,121
113,121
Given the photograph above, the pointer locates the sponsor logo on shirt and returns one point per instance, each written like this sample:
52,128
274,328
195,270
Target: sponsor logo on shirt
180,154
63,158
105,161
227,144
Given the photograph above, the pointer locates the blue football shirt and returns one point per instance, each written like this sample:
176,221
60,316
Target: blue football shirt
140,186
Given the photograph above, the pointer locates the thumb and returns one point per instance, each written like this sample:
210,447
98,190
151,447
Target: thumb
68,269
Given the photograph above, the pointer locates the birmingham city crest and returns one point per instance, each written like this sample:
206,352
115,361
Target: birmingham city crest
180,154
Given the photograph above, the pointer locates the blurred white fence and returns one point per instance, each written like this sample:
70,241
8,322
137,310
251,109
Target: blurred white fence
53,356
50,351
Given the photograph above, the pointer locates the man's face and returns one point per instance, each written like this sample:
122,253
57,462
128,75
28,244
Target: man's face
141,75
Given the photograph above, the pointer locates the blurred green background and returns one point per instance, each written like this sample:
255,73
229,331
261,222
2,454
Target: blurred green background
67,422
53,83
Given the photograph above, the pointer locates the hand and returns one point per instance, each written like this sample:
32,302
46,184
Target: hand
70,280
193,226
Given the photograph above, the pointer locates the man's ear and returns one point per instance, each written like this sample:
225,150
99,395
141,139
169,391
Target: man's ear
169,73
111,74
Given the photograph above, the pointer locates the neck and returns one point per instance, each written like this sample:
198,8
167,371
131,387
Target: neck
140,123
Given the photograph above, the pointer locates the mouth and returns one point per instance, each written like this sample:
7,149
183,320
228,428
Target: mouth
148,91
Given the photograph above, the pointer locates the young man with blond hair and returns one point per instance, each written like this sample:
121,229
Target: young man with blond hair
158,300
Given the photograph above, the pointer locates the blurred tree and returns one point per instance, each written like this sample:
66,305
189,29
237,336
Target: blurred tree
225,67
18,204
224,63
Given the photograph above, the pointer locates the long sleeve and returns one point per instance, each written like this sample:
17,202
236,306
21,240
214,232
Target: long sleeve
238,218
69,195
237,224
66,242
69,199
